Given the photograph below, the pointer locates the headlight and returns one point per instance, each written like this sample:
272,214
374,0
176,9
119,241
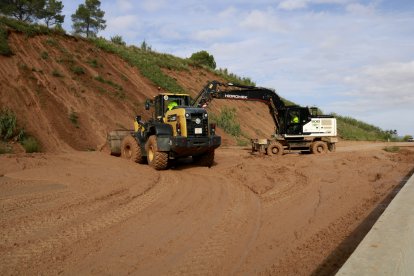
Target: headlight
187,115
205,115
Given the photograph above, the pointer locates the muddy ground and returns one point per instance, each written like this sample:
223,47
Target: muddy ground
91,213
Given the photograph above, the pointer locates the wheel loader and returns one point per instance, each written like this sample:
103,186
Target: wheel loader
176,130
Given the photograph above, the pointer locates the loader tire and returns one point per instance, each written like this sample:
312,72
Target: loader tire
319,147
274,149
156,159
131,150
206,159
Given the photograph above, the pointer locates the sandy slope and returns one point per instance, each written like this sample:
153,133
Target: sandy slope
40,85
90,213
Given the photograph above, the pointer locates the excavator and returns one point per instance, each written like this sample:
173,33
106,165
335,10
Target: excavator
296,128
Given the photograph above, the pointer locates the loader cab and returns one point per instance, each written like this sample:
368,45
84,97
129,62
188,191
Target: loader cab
162,102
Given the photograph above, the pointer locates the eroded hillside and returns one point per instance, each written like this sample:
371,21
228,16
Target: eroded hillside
68,93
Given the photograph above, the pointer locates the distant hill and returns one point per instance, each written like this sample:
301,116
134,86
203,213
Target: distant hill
69,92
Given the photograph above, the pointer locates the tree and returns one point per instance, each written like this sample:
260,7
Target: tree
23,10
203,58
52,13
145,46
88,18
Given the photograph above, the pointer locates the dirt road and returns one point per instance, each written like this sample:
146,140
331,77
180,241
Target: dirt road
90,213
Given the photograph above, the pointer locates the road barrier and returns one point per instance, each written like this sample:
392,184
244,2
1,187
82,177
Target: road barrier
388,248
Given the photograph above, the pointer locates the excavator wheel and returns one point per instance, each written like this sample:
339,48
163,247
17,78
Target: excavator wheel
207,159
319,147
156,159
131,150
274,149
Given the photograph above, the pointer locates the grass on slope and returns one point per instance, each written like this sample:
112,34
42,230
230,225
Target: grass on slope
149,63
352,129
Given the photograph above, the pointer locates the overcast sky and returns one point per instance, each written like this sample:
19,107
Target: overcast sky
354,58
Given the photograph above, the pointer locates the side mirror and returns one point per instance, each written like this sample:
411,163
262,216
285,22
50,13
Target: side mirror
147,104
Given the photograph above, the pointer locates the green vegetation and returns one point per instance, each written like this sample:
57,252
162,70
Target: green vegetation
51,42
203,58
10,130
78,70
74,118
52,13
8,124
120,94
118,40
101,79
44,55
392,149
29,30
30,144
227,121
4,45
406,138
93,62
352,129
149,63
88,18
233,78
56,73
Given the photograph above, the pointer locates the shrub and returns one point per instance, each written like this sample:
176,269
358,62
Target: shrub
44,55
56,73
78,70
8,123
203,58
93,62
30,144
227,121
118,40
230,77
4,45
74,117
51,42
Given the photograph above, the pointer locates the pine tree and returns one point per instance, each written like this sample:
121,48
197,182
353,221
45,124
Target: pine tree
23,10
88,18
52,13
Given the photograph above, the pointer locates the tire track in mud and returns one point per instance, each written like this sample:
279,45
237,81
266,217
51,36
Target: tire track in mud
22,257
74,206
230,239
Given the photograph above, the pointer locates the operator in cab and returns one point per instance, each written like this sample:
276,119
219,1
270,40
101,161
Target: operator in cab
171,105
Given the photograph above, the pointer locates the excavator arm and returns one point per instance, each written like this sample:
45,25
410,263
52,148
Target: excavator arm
230,91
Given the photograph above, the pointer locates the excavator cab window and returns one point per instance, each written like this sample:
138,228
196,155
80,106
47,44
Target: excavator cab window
296,117
294,121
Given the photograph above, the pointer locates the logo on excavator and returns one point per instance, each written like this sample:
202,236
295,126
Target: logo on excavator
235,96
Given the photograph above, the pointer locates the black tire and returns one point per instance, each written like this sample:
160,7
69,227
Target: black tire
156,159
131,150
332,147
206,159
274,149
319,147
